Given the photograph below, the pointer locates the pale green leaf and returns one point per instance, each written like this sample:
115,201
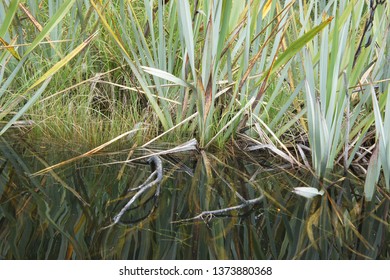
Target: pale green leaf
166,76
29,103
11,11
53,21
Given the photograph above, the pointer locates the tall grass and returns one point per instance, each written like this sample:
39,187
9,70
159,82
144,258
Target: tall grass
337,95
381,154
265,72
215,64
281,225
15,93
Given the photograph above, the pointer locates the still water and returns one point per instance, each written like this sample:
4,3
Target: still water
68,212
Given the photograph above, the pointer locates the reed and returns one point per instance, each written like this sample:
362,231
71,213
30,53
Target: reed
16,88
208,61
337,85
272,73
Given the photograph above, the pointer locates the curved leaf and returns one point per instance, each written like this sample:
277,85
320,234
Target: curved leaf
298,45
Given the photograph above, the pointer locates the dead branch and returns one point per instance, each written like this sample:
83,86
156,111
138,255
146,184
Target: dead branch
157,172
208,215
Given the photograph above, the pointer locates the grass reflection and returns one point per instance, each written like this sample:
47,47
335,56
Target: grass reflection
43,217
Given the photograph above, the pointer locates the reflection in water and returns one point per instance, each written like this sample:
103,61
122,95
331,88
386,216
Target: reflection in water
67,213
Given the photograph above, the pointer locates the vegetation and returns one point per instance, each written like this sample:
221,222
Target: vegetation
68,213
282,75
308,81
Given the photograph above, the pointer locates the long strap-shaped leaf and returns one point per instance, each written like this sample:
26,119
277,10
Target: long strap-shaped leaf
44,77
287,55
63,61
134,68
298,45
294,48
10,49
30,102
54,20
9,15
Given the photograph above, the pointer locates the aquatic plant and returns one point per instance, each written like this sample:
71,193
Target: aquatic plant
381,155
245,210
281,76
19,96
337,85
210,55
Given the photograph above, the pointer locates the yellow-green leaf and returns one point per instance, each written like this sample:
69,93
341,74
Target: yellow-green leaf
10,49
63,61
266,8
54,20
298,44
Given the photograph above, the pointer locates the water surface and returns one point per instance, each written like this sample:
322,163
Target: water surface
67,213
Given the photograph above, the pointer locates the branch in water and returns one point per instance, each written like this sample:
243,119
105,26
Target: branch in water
157,171
208,215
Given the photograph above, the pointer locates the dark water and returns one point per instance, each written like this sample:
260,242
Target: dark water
66,213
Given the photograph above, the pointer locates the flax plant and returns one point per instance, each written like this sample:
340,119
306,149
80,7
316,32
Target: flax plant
334,110
215,59
381,155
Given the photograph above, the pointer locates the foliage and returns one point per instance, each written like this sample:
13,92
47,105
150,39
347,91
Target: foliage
65,214
272,74
333,67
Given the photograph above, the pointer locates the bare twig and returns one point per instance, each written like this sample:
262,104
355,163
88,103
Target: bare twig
208,215
156,164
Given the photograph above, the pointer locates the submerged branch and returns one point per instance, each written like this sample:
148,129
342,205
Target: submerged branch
157,172
208,215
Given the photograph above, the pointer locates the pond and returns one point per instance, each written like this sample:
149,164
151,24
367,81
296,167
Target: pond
68,212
